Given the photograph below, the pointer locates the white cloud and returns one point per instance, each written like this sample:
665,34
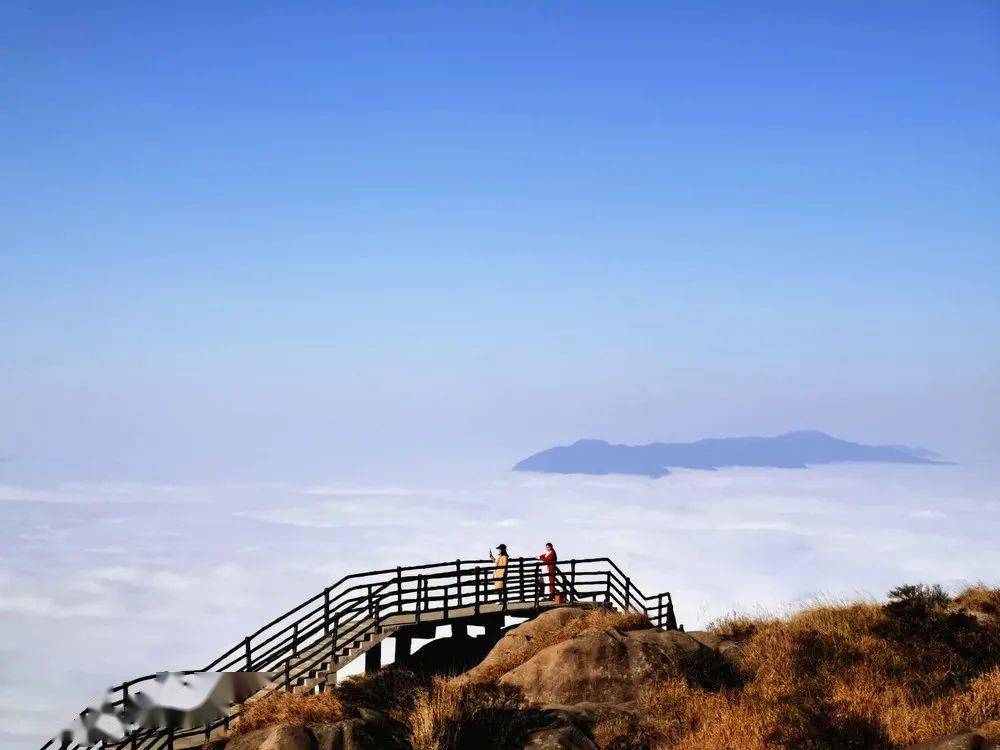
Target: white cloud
201,567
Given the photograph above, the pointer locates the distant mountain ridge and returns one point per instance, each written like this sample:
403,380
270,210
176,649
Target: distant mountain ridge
793,450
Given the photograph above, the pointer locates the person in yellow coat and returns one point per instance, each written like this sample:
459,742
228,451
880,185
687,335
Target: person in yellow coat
500,567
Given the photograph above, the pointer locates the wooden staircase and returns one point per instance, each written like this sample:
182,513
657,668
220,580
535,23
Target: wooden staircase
304,648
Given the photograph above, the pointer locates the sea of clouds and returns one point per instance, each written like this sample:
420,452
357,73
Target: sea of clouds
103,582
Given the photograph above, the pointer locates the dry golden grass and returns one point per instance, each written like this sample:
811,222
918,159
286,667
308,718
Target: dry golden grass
451,715
438,704
833,675
837,675
980,598
288,708
604,619
991,730
392,691
621,733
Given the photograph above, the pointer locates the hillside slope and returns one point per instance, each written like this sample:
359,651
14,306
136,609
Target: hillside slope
844,675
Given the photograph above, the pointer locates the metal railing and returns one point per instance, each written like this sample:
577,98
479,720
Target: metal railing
320,635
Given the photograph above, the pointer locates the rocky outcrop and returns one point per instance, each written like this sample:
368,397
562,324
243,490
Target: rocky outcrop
964,740
280,737
368,730
587,715
602,666
517,639
542,688
728,648
561,738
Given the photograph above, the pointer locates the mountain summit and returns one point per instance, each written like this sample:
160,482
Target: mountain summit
793,450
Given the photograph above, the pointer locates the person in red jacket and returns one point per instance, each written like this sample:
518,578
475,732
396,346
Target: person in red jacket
550,558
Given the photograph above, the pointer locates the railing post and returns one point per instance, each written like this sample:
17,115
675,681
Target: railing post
520,579
377,611
659,611
572,580
295,638
420,586
446,602
170,739
671,620
538,584
326,611
246,649
399,588
458,579
288,674
628,593
334,651
607,593
476,587
369,598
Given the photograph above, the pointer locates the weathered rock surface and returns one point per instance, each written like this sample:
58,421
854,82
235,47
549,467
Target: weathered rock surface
726,647
964,740
601,666
279,737
561,738
516,639
369,730
586,715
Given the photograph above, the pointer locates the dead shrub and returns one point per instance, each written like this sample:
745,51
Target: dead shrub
392,691
706,668
981,599
474,716
737,626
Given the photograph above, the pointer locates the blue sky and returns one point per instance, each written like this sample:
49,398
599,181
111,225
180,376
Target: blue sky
271,240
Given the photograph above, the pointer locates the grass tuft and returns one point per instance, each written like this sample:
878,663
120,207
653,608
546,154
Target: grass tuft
474,716
288,708
392,691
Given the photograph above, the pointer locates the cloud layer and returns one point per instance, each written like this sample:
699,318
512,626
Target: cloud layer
106,582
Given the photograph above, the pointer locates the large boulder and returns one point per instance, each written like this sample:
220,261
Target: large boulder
370,730
601,666
517,639
278,737
366,730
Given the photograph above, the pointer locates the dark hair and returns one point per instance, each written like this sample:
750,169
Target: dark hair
549,544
